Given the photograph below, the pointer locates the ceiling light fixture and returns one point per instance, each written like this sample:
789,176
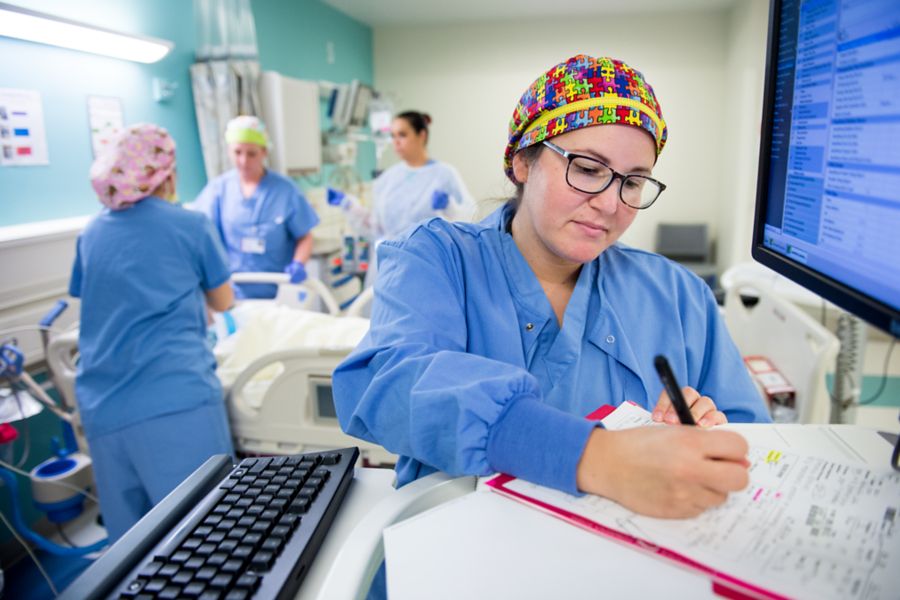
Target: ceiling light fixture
21,23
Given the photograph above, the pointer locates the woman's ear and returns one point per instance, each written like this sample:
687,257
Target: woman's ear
520,167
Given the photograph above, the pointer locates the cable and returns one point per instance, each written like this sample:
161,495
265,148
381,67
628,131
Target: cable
26,429
31,554
59,483
884,376
62,534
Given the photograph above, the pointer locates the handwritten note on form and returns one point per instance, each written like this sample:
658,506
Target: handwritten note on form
806,526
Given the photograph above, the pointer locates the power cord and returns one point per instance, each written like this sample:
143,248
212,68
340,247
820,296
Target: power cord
31,554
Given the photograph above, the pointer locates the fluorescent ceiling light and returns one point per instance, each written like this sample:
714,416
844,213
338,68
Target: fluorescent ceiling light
33,26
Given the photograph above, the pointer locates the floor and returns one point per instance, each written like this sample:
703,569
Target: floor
24,581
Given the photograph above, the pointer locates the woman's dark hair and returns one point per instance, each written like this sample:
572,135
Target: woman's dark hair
530,154
417,120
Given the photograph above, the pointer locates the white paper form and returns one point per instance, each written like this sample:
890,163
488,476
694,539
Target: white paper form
807,526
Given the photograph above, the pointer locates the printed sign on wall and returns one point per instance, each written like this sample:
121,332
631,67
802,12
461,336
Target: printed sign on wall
106,120
23,139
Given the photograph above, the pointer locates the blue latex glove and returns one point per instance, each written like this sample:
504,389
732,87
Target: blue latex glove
335,197
439,200
297,271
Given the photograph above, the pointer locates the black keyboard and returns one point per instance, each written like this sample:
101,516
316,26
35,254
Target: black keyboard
227,532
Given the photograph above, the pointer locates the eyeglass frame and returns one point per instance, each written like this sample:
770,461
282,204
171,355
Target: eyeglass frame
571,156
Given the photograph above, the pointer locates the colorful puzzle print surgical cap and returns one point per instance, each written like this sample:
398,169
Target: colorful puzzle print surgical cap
582,92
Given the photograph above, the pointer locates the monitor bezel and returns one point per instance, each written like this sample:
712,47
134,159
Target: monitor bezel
865,307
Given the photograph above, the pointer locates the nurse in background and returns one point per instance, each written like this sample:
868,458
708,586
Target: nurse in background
413,190
145,270
263,219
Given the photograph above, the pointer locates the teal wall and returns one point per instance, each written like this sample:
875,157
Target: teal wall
292,40
65,78
292,37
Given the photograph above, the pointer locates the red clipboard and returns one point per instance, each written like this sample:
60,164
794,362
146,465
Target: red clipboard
723,584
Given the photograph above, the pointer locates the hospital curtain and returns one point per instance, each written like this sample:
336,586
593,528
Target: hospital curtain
224,78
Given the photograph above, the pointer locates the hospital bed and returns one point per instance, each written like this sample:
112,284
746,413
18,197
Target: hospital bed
275,370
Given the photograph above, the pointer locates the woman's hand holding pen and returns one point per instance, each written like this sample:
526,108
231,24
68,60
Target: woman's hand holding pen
703,409
668,472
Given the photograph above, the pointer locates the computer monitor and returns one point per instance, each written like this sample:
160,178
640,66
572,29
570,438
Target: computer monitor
828,201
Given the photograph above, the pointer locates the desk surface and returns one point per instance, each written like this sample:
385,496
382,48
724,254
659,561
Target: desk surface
369,487
482,545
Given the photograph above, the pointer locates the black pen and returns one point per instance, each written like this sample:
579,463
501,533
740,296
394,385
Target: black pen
673,389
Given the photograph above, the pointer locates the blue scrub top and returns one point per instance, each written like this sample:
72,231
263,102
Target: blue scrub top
276,216
141,274
465,369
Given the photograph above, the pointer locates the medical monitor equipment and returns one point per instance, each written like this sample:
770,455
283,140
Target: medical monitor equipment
828,201
349,106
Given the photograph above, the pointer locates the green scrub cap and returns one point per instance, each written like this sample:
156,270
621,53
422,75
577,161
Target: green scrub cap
248,130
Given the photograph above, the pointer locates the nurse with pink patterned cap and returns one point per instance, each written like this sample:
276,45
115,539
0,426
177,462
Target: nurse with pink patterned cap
145,270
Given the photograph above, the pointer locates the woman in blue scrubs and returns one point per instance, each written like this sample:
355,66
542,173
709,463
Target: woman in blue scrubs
413,190
263,219
145,270
491,342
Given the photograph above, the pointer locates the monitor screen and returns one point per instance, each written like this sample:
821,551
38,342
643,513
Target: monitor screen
828,202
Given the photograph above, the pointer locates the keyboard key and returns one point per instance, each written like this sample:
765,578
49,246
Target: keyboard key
209,594
151,568
332,458
252,539
193,590
222,580
278,461
237,595
216,559
172,592
246,521
204,550
247,581
299,506
180,556
289,520
194,563
242,552
182,577
322,473
272,545
270,514
227,546
216,536
238,473
228,484
237,532
232,565
191,543
205,574
168,570
281,530
155,585
262,561
212,520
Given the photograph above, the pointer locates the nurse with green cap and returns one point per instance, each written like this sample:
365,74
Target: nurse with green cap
263,219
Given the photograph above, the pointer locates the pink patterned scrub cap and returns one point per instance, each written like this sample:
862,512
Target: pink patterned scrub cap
582,92
136,162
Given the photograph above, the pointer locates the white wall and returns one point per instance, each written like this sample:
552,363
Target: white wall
469,78
745,66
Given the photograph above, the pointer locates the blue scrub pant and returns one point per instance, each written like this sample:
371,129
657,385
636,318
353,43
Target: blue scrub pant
139,465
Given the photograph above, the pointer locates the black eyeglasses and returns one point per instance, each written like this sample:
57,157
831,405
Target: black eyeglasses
592,176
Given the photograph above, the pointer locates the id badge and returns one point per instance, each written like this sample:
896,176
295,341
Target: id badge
253,245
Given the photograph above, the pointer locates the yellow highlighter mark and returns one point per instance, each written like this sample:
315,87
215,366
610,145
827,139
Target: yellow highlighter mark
773,457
